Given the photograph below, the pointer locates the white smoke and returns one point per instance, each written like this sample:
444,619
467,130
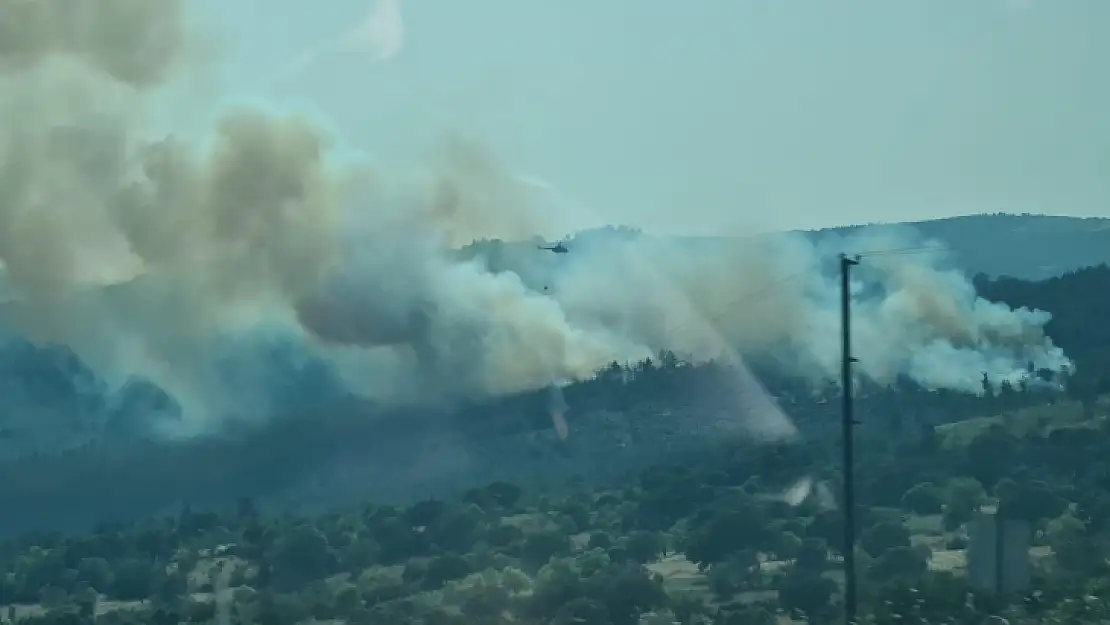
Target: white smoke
378,37
804,489
265,225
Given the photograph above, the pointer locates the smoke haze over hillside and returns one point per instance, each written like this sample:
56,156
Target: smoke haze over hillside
265,227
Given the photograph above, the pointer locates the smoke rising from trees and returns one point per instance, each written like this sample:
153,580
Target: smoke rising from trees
144,253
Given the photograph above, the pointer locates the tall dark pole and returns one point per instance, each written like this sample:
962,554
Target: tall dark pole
847,424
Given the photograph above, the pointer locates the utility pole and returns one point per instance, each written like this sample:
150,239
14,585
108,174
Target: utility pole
848,422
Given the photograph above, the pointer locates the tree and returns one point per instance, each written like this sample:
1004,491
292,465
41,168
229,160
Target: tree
726,578
627,592
813,555
1075,551
300,556
828,525
924,499
599,540
457,529
362,551
486,602
962,499
134,579
578,513
807,592
198,611
583,611
540,547
348,602
725,534
96,572
504,534
398,540
788,546
900,562
443,569
425,513
86,602
990,454
171,587
644,546
884,536
1064,528
1028,500
935,597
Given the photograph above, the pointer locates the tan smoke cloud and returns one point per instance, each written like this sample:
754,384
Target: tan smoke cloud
222,232
137,43
209,231
261,223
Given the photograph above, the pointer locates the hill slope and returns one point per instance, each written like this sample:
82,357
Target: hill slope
621,421
54,400
1031,247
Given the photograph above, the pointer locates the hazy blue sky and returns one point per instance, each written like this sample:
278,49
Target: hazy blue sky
726,115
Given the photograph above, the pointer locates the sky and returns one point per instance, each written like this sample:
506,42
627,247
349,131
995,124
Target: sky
717,116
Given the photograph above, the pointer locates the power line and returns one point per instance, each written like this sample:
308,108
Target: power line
903,251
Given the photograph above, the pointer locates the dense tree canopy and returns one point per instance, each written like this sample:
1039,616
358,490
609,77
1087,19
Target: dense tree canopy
646,514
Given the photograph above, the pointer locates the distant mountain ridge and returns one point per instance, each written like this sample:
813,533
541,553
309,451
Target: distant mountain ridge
54,400
334,448
1030,247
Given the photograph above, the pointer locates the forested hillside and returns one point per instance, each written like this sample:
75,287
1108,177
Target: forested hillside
657,509
1029,247
1032,247
335,451
1079,302
328,328
56,401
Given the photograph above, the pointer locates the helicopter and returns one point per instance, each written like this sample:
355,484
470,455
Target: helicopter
558,248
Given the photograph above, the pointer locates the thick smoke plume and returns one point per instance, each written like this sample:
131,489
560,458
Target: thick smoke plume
145,253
